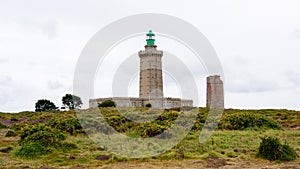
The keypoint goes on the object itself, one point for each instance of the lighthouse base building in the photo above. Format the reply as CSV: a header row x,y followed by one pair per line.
x,y
167,102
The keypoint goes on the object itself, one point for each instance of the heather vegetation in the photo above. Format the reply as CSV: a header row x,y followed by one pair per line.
x,y
57,139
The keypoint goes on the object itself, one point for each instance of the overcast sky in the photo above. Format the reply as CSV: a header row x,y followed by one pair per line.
x,y
257,41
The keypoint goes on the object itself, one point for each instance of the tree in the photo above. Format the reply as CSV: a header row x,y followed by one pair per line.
x,y
107,103
71,101
148,105
44,105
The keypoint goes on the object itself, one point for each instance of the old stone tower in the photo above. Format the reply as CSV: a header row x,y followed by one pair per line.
x,y
151,80
215,93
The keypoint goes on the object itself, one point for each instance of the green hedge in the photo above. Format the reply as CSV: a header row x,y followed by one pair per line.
x,y
241,121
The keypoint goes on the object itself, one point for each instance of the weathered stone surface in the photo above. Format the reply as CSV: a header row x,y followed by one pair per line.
x,y
215,92
151,80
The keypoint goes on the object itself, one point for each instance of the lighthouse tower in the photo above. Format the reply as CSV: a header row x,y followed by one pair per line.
x,y
151,80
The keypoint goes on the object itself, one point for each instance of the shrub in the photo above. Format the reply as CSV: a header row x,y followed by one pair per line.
x,y
167,118
200,119
116,121
2,126
127,125
271,149
107,103
231,154
42,135
32,150
241,121
68,146
151,129
11,133
37,140
19,127
6,149
148,105
68,125
174,109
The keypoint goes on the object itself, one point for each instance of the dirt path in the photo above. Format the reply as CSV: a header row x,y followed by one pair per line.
x,y
196,164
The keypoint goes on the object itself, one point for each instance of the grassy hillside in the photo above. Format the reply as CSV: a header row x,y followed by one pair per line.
x,y
56,139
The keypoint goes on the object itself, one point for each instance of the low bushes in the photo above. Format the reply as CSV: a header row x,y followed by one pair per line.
x,y
107,103
2,126
37,140
41,134
151,129
241,121
138,123
32,150
271,149
11,133
68,125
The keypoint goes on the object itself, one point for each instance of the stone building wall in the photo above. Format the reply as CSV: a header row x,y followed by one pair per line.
x,y
214,92
138,102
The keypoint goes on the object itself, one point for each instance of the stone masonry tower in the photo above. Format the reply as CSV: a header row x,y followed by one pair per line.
x,y
214,93
151,81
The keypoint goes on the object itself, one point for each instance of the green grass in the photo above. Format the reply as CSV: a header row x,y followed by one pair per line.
x,y
223,143
233,144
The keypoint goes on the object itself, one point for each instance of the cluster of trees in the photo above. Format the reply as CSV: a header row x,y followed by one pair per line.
x,y
69,101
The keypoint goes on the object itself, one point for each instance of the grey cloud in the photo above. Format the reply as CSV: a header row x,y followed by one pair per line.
x,y
54,85
250,84
296,33
3,61
3,98
252,87
241,60
47,28
293,77
4,90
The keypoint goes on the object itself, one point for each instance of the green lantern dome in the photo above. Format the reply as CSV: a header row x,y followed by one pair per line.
x,y
150,38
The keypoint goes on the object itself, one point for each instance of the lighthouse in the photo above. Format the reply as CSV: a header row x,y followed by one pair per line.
x,y
151,76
